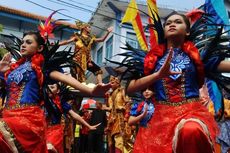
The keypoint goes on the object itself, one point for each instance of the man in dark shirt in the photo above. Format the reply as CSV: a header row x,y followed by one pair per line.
x,y
96,144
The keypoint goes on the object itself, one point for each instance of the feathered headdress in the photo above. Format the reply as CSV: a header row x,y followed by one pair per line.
x,y
80,25
47,28
194,15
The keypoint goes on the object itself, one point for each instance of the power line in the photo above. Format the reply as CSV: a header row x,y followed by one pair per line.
x,y
82,4
64,4
88,10
73,17
90,6
61,13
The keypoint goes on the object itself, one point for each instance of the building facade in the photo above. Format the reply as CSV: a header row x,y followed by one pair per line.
x,y
110,13
16,22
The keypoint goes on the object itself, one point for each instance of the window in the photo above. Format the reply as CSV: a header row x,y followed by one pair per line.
x,y
99,56
109,48
132,40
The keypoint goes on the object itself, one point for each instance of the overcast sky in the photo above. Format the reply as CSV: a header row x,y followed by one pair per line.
x,y
82,9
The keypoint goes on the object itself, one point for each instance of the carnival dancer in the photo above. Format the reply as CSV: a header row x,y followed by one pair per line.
x,y
143,111
180,122
175,70
116,122
83,43
22,127
55,129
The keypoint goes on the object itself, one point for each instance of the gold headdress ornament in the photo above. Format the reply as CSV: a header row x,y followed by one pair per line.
x,y
114,79
80,25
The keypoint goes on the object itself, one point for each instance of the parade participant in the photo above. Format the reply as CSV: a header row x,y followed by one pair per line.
x,y
22,127
83,43
143,111
55,129
116,122
175,71
95,138
84,132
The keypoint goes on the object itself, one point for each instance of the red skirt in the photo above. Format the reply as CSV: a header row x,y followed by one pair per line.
x,y
23,129
55,135
158,135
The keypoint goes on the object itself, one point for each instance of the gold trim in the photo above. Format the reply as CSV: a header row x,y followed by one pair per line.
x,y
179,103
19,106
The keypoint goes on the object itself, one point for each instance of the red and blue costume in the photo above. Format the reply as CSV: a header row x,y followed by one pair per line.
x,y
178,111
22,127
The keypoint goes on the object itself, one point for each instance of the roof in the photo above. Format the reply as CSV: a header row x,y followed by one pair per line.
x,y
31,15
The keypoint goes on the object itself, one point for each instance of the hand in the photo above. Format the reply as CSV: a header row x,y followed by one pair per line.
x,y
100,89
94,127
120,108
165,69
5,62
90,64
110,29
145,111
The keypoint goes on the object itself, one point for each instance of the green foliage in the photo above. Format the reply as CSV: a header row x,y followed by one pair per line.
x,y
1,27
2,52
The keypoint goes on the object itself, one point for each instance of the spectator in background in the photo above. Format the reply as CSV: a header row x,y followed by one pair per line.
x,y
77,138
95,138
84,132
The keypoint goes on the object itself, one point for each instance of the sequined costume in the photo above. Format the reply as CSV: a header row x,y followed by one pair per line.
x,y
117,137
83,56
176,103
23,126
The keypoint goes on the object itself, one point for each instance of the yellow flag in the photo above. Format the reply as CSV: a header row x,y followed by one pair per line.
x,y
132,15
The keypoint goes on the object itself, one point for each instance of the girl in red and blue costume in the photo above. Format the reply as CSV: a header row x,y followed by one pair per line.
x,y
55,130
143,111
180,123
23,126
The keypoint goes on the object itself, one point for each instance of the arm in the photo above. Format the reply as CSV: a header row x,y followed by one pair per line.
x,y
106,108
224,66
110,29
139,84
135,119
125,100
99,89
142,83
82,121
65,42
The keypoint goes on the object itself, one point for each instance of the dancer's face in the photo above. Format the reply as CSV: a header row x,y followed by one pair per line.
x,y
147,93
30,46
53,89
88,29
115,82
175,26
